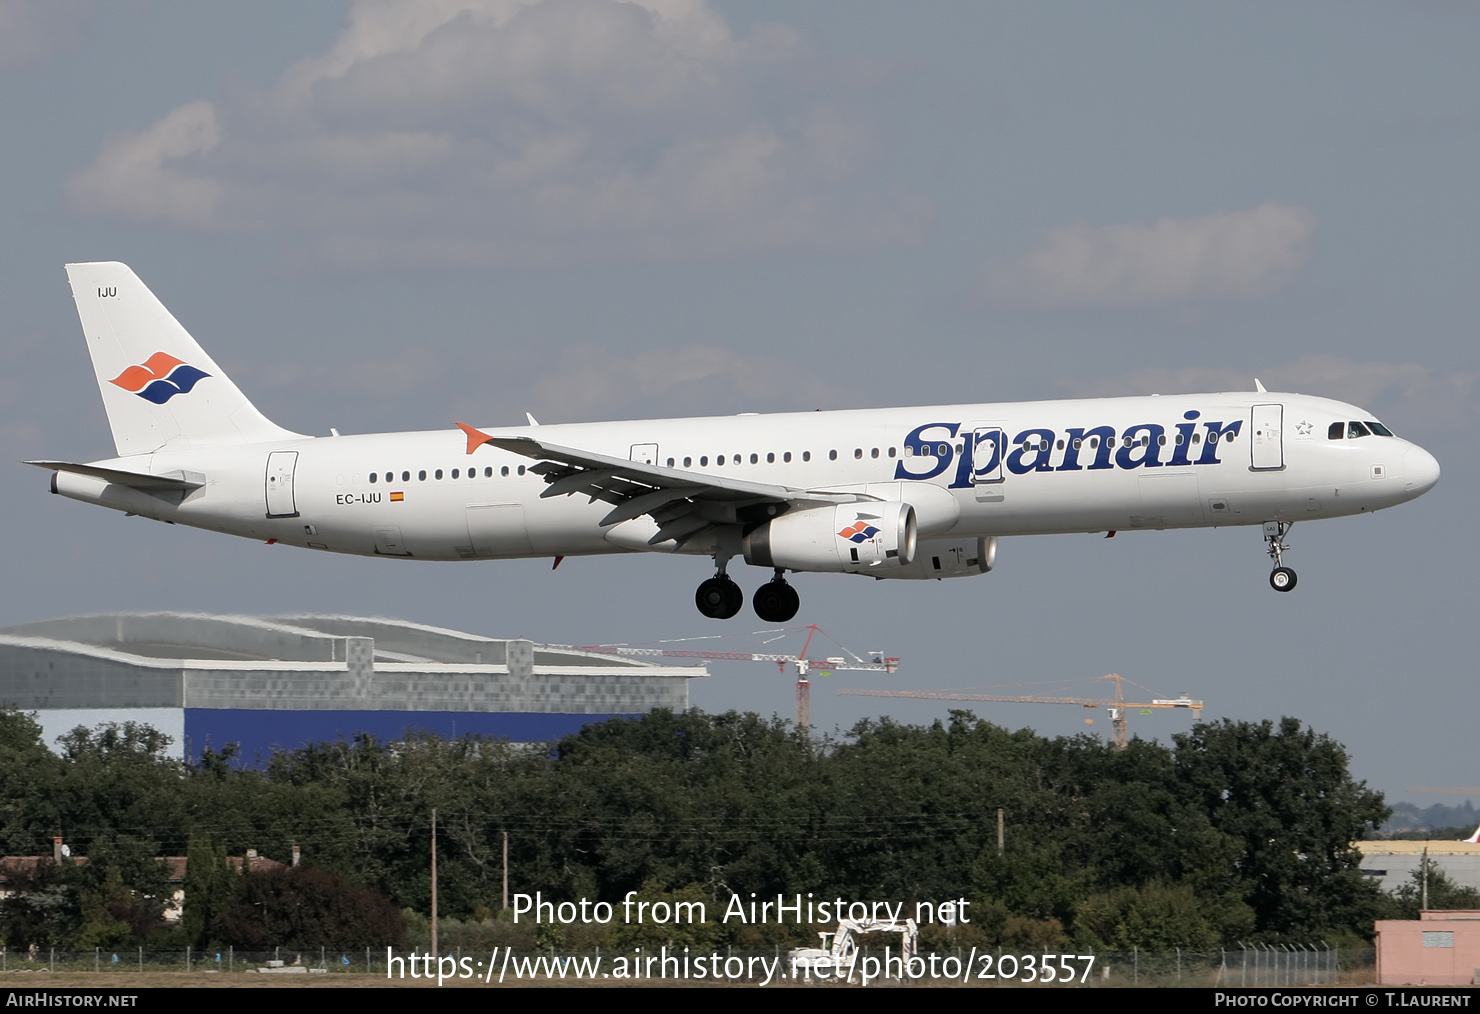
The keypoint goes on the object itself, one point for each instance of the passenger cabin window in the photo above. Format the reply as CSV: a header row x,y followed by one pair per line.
x,y
786,457
374,476
438,473
1336,431
754,458
832,455
422,475
405,476
806,455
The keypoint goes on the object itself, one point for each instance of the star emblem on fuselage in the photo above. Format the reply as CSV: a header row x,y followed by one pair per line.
x,y
1303,428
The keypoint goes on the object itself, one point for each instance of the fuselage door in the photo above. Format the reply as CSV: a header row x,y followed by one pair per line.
x,y
986,454
280,466
1267,442
388,542
498,529
645,454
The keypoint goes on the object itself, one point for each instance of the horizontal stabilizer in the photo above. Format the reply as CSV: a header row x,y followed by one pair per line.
x,y
137,480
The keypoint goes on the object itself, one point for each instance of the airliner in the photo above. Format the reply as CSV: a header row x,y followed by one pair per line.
x,y
896,493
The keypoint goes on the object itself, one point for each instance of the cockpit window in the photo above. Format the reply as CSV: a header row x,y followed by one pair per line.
x,y
1378,428
1355,429
1336,432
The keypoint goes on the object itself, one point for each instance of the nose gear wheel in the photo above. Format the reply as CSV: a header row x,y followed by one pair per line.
x,y
1282,578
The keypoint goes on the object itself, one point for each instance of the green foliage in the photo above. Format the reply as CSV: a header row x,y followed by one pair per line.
x,y
1285,795
682,925
307,907
209,887
1444,894
1158,916
1237,831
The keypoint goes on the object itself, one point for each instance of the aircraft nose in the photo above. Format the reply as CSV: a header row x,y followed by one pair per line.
x,y
1420,470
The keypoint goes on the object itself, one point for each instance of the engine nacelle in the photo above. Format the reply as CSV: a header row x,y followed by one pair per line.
x,y
942,558
856,538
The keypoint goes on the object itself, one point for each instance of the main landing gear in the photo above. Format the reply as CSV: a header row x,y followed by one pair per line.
x,y
720,598
1282,578
776,601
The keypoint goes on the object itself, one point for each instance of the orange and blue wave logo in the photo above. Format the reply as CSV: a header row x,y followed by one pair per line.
x,y
160,378
858,531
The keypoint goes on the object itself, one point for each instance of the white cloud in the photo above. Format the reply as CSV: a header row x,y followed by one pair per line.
x,y
1420,396
589,384
1237,253
497,132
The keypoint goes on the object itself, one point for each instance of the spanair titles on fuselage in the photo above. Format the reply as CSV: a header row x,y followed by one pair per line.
x,y
894,493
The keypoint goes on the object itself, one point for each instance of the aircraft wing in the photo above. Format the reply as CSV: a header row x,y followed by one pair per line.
x,y
683,503
137,480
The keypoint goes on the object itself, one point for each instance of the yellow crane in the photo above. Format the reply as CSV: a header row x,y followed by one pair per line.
x,y
1116,705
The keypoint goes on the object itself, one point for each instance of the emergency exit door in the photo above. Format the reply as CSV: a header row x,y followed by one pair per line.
x,y
280,466
1266,443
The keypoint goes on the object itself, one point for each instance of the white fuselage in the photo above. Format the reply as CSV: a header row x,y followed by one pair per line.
x,y
985,470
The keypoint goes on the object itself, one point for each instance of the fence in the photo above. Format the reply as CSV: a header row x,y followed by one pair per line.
x,y
1254,965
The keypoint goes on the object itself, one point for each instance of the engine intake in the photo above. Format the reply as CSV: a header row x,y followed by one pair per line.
x,y
848,539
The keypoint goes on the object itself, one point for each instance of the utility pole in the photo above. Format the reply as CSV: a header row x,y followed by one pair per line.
x,y
999,831
1423,904
434,884
506,869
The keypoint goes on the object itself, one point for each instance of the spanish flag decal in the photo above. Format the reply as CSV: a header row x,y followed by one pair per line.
x,y
397,497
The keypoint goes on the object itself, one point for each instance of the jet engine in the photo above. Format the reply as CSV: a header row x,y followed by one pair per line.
x,y
942,558
870,537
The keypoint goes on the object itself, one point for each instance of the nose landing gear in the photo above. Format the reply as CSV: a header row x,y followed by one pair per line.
x,y
776,601
1282,578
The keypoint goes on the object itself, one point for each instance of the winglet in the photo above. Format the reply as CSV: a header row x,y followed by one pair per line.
x,y
1259,387
532,420
476,438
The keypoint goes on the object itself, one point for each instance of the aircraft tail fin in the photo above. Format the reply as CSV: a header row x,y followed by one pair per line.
x,y
159,387
1473,839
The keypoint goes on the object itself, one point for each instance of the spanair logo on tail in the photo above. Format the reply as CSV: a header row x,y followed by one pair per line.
x,y
160,378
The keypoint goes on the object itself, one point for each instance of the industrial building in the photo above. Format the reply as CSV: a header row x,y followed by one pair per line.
x,y
1392,863
1436,949
280,682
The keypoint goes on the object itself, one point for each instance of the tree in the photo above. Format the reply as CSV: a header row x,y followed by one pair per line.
x,y
208,888
1444,895
1286,794
307,907
1160,917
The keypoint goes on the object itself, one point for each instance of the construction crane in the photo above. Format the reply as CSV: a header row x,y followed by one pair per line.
x,y
1116,706
876,661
